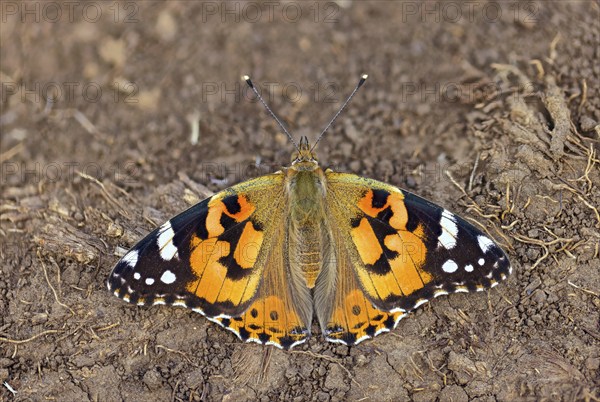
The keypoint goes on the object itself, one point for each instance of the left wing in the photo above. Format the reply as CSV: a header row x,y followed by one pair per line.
x,y
219,258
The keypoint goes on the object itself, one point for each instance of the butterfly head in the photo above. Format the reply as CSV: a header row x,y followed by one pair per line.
x,y
304,159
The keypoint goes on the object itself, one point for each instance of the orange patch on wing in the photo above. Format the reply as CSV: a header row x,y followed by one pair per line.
x,y
216,209
367,283
399,217
246,209
213,218
238,291
212,283
366,205
204,261
366,242
406,267
354,314
383,285
248,246
270,316
227,290
250,288
395,202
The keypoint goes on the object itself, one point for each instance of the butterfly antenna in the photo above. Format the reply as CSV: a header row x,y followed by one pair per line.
x,y
362,80
260,98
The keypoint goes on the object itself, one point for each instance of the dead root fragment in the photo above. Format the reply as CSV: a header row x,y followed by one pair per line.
x,y
546,245
107,195
34,337
50,284
583,289
59,238
561,116
158,347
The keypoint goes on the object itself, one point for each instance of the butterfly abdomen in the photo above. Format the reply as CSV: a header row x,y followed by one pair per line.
x,y
306,223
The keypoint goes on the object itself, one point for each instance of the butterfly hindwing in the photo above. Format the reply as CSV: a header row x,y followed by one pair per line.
x,y
404,251
350,317
273,318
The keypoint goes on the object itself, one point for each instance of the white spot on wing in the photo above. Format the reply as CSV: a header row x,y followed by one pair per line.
x,y
165,242
149,281
484,243
137,276
469,268
131,258
450,266
481,261
449,230
168,277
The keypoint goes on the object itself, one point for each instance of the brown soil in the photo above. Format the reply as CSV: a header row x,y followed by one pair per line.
x,y
502,97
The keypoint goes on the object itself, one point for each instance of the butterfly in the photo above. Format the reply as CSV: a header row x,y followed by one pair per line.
x,y
266,256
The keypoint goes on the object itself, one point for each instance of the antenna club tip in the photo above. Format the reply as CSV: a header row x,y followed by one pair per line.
x,y
363,78
248,80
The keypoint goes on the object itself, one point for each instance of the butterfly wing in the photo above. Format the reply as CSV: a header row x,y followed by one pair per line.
x,y
274,318
396,251
216,259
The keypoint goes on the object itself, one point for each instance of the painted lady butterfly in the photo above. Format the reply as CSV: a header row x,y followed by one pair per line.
x,y
264,257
